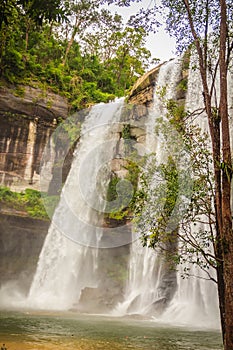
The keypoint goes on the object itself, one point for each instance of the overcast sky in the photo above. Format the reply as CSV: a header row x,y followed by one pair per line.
x,y
161,45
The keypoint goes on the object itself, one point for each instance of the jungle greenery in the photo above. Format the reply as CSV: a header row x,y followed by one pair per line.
x,y
27,202
75,48
32,203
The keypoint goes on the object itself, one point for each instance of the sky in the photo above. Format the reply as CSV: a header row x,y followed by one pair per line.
x,y
161,45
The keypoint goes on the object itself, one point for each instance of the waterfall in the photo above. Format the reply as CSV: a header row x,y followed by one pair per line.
x,y
68,261
69,268
196,299
151,285
152,288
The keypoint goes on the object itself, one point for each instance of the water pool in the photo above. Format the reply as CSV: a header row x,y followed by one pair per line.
x,y
50,331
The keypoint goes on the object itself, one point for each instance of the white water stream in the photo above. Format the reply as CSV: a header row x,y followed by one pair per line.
x,y
196,299
191,301
69,258
148,283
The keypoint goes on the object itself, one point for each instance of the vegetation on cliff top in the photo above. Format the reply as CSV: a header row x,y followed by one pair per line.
x,y
76,48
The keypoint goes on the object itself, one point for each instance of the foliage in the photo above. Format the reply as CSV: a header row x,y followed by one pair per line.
x,y
29,202
121,200
126,132
179,192
77,49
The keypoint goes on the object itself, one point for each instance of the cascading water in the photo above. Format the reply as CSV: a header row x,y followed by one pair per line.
x,y
152,289
196,300
150,284
69,259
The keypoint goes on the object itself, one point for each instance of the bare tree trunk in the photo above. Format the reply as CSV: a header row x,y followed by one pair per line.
x,y
227,232
28,25
50,30
2,48
121,66
27,34
221,295
70,42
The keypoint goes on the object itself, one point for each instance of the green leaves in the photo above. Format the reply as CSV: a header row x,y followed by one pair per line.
x,y
122,201
104,58
175,197
51,10
29,202
7,10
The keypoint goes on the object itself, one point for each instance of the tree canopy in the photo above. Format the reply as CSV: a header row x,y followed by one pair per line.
x,y
76,48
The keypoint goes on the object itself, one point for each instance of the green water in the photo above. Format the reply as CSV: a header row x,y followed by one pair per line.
x,y
37,330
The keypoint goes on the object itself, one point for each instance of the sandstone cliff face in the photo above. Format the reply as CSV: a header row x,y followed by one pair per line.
x,y
143,90
27,122
142,93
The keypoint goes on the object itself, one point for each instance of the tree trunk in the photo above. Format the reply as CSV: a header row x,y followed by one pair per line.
x,y
50,30
222,176
28,25
26,40
228,286
2,48
120,68
70,42
221,297
227,232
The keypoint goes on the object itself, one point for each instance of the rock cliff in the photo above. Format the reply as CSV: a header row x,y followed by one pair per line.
x,y
28,116
27,122
33,102
143,90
